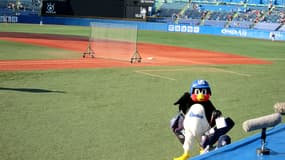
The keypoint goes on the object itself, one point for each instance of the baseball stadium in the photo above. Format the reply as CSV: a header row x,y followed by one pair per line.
x,y
103,80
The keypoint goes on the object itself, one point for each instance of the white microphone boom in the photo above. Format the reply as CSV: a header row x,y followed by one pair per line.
x,y
262,122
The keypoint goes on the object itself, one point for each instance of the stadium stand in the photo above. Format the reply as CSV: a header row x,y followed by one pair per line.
x,y
282,28
214,23
250,14
240,24
266,26
20,7
169,9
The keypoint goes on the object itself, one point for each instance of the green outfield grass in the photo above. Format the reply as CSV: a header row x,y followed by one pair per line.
x,y
20,51
118,113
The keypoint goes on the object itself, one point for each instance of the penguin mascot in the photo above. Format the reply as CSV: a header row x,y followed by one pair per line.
x,y
196,121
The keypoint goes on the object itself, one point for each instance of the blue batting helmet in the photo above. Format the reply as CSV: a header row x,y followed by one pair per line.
x,y
200,84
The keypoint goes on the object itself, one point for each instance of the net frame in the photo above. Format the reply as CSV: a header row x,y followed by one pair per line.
x,y
113,41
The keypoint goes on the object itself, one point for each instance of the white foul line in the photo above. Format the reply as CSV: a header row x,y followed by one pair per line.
x,y
233,72
145,72
204,69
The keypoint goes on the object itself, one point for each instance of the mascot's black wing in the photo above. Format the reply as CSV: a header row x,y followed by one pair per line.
x,y
184,102
209,109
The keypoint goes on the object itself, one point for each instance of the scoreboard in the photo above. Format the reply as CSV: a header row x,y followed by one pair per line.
x,y
95,8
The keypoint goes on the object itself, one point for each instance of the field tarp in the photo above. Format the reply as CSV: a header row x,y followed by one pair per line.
x,y
245,149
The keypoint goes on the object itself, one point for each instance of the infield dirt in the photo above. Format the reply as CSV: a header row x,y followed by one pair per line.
x,y
162,55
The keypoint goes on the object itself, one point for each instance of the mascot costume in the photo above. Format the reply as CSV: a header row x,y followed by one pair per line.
x,y
199,120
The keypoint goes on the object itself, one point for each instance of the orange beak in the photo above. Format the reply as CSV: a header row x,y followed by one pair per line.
x,y
200,97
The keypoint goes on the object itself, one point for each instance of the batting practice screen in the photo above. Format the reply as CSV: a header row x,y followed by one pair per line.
x,y
113,41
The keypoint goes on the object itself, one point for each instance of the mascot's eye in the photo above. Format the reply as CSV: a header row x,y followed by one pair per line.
x,y
204,91
196,91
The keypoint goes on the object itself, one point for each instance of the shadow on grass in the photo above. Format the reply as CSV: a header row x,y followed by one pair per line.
x,y
31,90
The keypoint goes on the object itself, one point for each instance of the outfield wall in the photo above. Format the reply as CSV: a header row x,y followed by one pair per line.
x,y
184,28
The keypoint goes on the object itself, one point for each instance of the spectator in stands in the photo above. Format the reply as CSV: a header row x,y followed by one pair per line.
x,y
270,6
272,36
158,13
204,14
282,17
230,17
143,12
174,17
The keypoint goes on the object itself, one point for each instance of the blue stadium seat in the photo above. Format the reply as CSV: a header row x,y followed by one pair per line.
x,y
266,26
265,1
240,24
279,2
254,1
244,16
214,23
236,1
